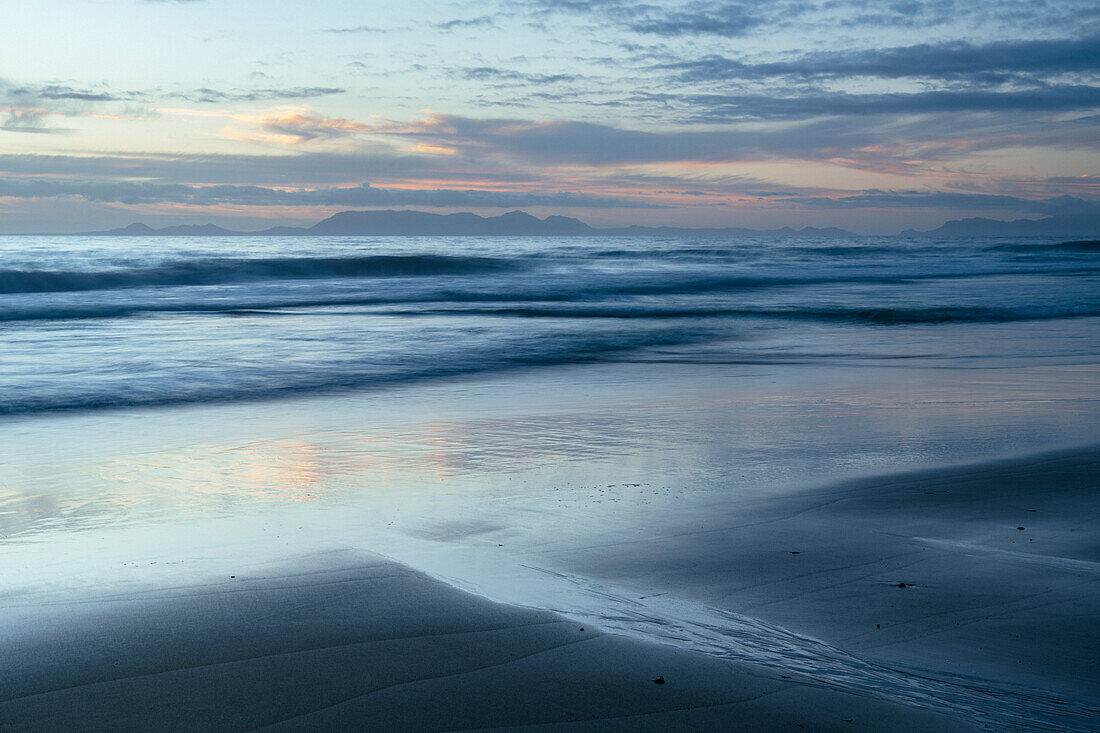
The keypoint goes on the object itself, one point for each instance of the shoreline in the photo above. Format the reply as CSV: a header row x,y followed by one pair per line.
x,y
742,599
933,571
347,640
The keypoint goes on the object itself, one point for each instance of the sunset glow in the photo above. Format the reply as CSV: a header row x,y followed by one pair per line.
x,y
874,118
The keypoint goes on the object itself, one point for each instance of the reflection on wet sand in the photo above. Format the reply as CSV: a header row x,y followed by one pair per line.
x,y
537,442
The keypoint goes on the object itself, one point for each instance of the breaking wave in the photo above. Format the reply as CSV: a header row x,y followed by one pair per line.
x,y
213,271
109,323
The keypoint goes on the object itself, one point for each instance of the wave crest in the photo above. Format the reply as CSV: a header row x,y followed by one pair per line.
x,y
214,271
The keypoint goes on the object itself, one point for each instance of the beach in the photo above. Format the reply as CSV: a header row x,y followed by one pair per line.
x,y
342,639
258,604
393,501
351,641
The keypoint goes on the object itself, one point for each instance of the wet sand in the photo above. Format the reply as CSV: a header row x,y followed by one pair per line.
x,y
350,641
985,576
794,614
426,560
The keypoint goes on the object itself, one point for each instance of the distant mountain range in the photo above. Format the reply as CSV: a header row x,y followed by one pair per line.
x,y
521,224
1078,225
424,224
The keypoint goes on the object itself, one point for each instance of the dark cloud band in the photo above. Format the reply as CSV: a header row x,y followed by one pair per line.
x,y
126,192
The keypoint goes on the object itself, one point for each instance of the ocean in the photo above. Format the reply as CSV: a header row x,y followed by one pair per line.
x,y
97,323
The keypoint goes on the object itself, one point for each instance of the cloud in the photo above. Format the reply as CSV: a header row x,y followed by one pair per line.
x,y
948,60
729,20
550,143
64,92
365,29
307,169
812,19
492,73
1054,206
126,192
1091,181
449,148
54,91
454,158
712,108
574,6
482,21
28,119
102,93
666,100
304,126
215,96
1012,15
29,106
720,19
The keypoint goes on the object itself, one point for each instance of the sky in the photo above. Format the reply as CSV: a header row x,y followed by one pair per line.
x,y
872,115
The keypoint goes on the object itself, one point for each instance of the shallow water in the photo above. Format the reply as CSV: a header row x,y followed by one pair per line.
x,y
557,446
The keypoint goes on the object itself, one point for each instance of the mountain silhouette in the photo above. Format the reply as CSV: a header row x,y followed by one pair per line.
x,y
391,223
1070,225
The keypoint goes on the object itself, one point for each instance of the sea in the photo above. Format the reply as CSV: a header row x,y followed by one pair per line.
x,y
98,323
